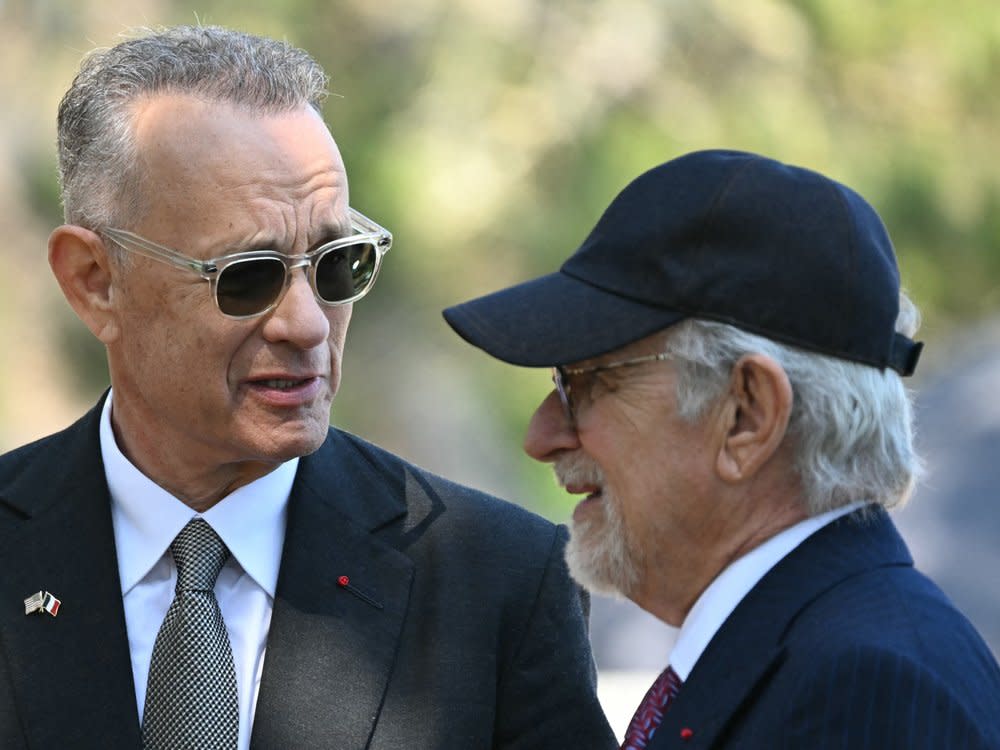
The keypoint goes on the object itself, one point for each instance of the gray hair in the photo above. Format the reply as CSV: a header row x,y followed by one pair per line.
x,y
851,426
98,164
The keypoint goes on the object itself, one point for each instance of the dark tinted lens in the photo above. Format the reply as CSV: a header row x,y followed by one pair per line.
x,y
249,286
345,272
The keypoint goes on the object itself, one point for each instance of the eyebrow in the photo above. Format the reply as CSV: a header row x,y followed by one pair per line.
x,y
329,233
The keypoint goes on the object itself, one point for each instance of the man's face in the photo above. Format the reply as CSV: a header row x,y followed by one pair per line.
x,y
204,390
644,471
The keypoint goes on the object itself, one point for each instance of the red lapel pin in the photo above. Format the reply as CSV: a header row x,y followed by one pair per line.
x,y
345,583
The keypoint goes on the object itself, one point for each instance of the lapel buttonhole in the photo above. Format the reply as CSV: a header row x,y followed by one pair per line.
x,y
345,583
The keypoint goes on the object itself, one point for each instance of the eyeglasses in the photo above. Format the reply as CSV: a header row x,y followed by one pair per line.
x,y
561,377
251,283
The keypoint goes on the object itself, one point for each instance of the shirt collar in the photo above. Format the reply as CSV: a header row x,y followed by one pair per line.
x,y
250,520
723,595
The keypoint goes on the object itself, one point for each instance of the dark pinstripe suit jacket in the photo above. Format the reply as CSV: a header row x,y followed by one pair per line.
x,y
467,632
842,645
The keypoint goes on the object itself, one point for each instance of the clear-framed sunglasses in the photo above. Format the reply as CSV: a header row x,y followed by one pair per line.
x,y
251,283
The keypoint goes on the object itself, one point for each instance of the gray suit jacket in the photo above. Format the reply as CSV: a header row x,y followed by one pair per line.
x,y
460,627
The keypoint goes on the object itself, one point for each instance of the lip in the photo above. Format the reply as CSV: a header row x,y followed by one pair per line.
x,y
582,507
306,390
593,495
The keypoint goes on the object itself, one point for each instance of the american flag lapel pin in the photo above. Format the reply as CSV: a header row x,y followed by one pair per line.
x,y
40,603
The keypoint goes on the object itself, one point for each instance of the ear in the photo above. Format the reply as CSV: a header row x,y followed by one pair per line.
x,y
755,417
80,262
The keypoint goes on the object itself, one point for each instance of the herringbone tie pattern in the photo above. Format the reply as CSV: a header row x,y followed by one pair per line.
x,y
191,699
650,712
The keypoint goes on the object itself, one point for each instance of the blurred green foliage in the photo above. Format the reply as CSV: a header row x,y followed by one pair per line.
x,y
490,136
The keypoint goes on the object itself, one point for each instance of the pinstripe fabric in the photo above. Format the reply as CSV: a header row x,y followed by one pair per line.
x,y
842,645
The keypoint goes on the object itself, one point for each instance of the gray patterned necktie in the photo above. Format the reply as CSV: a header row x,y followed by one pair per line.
x,y
191,701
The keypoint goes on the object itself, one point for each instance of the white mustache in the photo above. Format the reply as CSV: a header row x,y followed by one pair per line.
x,y
577,469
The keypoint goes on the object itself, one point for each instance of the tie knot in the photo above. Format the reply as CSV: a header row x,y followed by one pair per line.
x,y
668,684
199,554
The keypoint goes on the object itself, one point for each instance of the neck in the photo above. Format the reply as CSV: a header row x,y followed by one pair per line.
x,y
196,484
673,579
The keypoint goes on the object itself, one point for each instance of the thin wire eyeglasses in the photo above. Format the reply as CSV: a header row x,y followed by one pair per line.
x,y
561,376
251,283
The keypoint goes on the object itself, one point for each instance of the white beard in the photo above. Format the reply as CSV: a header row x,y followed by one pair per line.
x,y
599,554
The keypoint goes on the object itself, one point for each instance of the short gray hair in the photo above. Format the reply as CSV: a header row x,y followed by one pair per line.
x,y
851,424
101,183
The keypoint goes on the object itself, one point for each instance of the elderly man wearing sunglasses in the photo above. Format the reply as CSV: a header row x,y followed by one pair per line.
x,y
203,562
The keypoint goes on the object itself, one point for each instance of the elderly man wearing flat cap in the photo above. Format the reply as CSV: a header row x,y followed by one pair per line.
x,y
727,348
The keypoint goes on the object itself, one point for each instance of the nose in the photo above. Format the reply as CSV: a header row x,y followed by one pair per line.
x,y
550,432
299,318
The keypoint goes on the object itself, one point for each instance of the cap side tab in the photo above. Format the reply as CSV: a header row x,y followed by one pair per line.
x,y
904,354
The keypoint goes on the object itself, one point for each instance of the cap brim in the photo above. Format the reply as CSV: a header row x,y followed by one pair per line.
x,y
554,320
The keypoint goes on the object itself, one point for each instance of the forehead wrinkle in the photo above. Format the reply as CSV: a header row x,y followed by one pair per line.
x,y
277,179
293,226
313,208
264,224
327,221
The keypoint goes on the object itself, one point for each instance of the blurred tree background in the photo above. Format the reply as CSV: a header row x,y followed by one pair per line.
x,y
490,135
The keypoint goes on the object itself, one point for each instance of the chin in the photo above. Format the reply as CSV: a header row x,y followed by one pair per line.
x,y
284,444
599,555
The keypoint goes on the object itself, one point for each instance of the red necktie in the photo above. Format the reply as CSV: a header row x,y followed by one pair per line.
x,y
650,712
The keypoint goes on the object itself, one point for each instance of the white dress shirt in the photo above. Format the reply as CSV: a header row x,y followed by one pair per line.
x,y
722,596
251,521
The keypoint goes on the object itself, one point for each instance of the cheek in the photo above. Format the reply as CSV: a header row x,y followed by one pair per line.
x,y
339,319
625,459
185,350
644,474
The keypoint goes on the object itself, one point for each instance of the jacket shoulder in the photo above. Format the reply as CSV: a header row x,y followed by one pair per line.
x,y
33,461
889,640
457,505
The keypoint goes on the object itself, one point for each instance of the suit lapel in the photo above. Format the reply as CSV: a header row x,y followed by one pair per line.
x,y
71,674
331,647
748,647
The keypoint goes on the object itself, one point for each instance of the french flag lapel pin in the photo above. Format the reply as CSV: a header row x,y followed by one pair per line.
x,y
42,603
